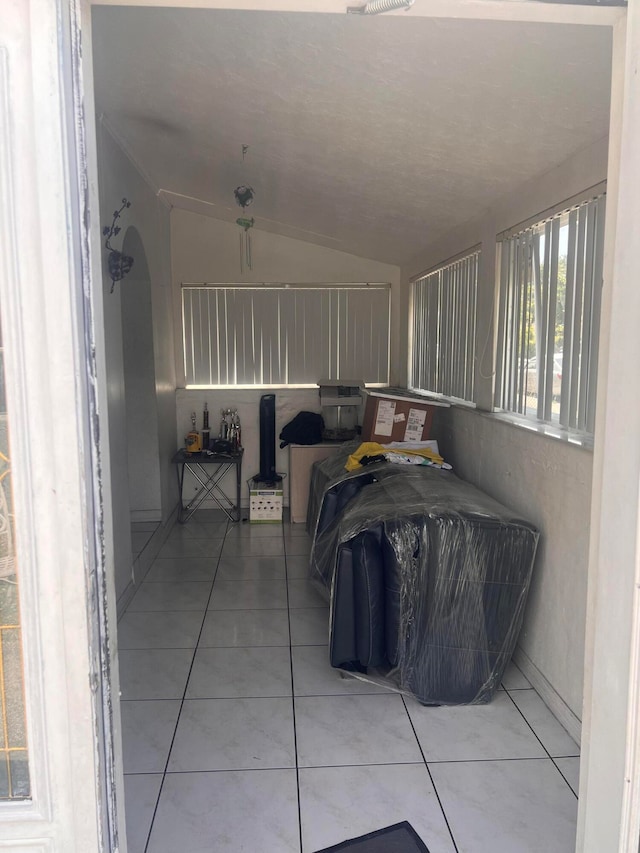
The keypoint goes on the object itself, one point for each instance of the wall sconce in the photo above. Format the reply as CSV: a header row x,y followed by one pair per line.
x,y
119,265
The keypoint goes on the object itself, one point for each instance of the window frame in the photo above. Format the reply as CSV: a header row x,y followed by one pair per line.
x,y
468,346
318,287
570,411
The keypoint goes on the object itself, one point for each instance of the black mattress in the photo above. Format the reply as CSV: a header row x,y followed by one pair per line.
x,y
427,578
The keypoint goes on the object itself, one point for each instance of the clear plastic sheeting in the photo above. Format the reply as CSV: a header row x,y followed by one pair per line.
x,y
427,578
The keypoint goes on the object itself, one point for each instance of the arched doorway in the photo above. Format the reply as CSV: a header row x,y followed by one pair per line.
x,y
140,394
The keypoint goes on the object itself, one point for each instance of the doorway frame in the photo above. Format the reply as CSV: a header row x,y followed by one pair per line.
x,y
606,761
82,815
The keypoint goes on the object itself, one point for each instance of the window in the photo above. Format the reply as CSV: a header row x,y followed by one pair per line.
x,y
444,329
549,317
270,335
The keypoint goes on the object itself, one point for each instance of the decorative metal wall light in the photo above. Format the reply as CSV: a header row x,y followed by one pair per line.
x,y
119,265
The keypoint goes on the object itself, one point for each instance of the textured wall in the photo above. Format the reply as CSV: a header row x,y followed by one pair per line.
x,y
549,483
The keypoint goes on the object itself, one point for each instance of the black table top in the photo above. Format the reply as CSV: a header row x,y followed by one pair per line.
x,y
183,456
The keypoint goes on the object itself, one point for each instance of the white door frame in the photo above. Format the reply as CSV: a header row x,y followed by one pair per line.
x,y
48,317
609,813
65,541
609,810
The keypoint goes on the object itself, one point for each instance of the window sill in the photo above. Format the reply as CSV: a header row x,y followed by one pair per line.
x,y
442,399
275,387
557,433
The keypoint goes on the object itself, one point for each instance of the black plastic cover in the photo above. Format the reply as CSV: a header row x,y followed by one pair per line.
x,y
427,577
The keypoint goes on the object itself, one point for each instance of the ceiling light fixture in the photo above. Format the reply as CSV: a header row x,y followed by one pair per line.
x,y
376,7
244,196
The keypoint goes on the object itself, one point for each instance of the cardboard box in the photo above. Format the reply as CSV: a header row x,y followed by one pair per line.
x,y
265,504
397,415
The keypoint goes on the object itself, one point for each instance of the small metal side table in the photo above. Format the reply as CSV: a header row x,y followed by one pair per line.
x,y
208,469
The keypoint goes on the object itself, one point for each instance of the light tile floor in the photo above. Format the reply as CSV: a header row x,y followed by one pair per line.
x,y
238,735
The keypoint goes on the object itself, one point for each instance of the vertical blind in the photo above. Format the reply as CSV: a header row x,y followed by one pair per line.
x,y
444,329
549,317
285,334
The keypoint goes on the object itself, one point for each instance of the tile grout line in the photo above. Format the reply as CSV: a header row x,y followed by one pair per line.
x,y
575,793
186,686
293,696
411,763
541,743
426,764
339,766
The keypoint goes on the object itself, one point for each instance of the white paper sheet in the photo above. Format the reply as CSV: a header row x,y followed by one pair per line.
x,y
415,425
384,418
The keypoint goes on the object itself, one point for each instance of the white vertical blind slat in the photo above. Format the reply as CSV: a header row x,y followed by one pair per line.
x,y
595,314
567,347
578,297
503,252
550,319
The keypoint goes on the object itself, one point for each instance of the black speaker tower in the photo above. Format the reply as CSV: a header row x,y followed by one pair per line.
x,y
267,441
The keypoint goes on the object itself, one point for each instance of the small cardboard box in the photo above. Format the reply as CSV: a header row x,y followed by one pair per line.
x,y
396,415
265,504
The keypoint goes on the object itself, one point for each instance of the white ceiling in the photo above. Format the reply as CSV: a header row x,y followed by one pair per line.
x,y
373,135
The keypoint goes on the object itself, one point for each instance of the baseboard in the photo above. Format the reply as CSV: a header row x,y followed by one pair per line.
x,y
153,515
143,562
554,702
125,599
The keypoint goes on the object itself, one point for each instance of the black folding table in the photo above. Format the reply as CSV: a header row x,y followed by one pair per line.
x,y
208,469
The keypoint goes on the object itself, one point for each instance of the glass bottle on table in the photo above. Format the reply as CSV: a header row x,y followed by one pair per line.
x,y
206,433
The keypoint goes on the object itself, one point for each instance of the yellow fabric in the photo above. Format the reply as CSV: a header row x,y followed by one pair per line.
x,y
372,448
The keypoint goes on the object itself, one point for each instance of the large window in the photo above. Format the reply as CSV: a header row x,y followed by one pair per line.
x,y
549,317
270,335
444,329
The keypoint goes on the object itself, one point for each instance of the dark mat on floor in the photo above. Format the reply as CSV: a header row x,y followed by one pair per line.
x,y
399,838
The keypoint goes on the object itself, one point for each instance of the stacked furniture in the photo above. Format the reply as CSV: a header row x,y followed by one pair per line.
x,y
427,577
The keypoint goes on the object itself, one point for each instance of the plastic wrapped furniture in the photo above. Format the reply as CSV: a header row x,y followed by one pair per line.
x,y
427,578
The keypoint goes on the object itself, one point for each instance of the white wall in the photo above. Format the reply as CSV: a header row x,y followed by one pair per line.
x,y
207,250
549,483
548,480
119,178
140,385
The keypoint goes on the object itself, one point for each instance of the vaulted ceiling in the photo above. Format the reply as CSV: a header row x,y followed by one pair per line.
x,y
372,135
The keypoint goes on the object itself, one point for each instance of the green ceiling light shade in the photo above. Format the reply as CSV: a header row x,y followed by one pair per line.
x,y
244,196
119,265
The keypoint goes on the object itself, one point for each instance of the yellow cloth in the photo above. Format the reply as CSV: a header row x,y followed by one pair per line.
x,y
372,448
